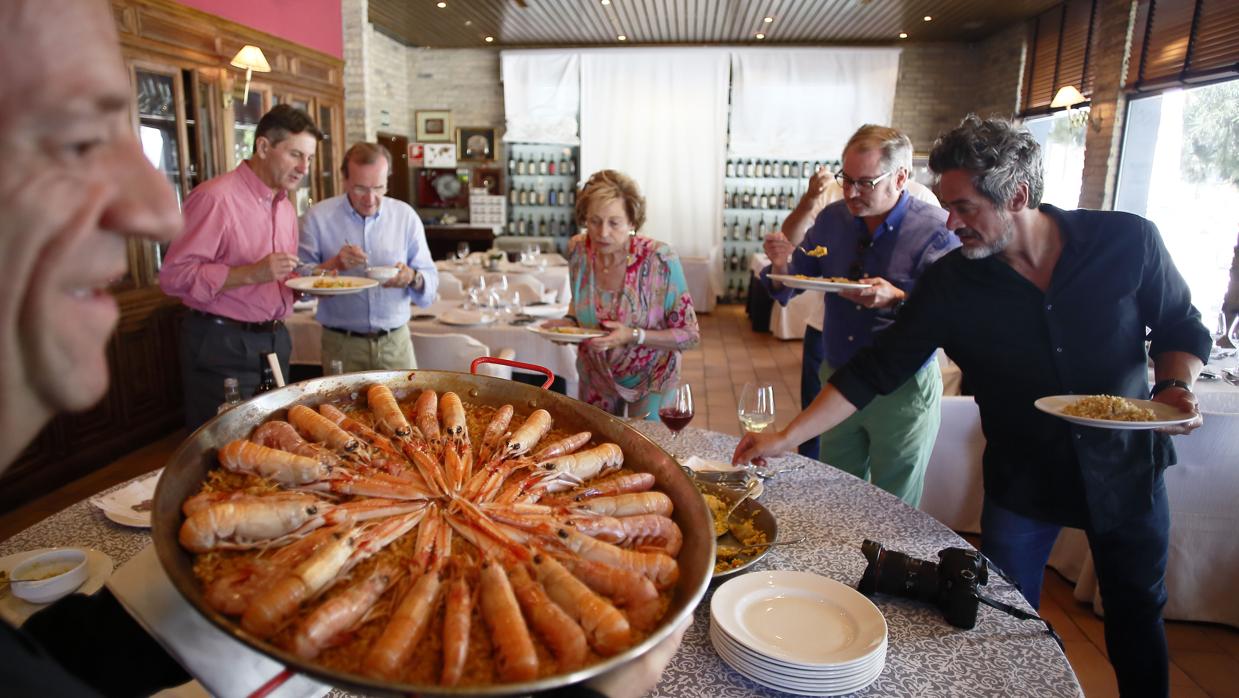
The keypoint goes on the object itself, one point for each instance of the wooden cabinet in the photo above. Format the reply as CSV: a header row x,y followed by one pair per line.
x,y
190,115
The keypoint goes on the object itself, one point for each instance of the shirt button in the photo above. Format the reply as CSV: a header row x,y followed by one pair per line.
x,y
1049,306
850,338
1059,350
860,307
1079,437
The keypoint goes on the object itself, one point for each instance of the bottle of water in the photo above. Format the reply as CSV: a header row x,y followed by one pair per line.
x,y
232,395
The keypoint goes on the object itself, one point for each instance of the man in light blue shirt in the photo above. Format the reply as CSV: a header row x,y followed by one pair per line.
x,y
347,234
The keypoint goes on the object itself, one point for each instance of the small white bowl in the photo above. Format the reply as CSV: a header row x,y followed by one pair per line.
x,y
59,573
382,273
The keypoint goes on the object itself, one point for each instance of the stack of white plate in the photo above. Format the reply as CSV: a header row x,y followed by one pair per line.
x,y
798,632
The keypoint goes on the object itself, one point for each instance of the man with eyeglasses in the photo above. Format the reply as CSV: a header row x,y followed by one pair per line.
x,y
229,268
882,236
359,229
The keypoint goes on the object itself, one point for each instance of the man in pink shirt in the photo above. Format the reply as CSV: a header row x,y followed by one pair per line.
x,y
240,243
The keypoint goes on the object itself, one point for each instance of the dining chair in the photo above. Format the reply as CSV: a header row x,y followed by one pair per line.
x,y
455,352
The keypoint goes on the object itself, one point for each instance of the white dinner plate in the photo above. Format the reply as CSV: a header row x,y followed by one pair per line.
x,y
466,318
305,284
16,611
816,284
1167,416
119,506
798,617
566,337
721,639
549,310
832,685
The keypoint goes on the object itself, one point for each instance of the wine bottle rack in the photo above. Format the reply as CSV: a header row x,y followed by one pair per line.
x,y
542,188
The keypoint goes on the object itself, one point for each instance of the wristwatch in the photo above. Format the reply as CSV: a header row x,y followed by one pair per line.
x,y
1168,383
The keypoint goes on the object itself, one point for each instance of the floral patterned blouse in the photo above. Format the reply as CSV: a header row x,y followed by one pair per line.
x,y
654,296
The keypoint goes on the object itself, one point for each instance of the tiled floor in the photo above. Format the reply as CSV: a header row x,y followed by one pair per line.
x,y
1205,658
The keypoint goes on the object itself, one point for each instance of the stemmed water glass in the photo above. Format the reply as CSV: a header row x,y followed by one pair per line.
x,y
1233,335
1217,331
756,410
462,253
676,412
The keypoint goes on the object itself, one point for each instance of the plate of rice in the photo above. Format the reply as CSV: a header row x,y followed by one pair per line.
x,y
1112,412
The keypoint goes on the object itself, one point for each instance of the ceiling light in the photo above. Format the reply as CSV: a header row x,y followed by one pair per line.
x,y
759,35
927,18
606,2
903,35
621,37
468,23
490,39
441,5
768,20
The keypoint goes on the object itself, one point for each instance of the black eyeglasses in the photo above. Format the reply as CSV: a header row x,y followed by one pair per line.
x,y
862,184
857,270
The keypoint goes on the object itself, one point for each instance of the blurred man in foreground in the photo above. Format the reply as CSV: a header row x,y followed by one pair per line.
x,y
1040,302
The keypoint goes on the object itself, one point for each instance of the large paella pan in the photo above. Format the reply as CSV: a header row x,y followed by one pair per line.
x,y
195,470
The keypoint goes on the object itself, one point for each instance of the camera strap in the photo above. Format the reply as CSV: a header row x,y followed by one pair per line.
x,y
1022,615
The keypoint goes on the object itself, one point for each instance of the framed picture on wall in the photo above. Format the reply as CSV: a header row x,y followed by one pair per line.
x,y
417,152
433,125
477,144
440,154
488,178
442,188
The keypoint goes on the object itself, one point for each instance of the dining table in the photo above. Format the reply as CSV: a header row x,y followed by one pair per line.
x,y
552,271
834,512
306,334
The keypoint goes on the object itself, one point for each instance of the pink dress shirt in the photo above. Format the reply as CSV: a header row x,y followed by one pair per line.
x,y
230,221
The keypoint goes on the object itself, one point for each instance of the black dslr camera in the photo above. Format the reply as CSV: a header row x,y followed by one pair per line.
x,y
951,584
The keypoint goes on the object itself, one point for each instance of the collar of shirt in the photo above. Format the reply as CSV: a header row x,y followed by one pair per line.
x,y
256,185
356,215
893,219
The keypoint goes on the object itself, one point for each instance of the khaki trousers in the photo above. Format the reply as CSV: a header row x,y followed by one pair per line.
x,y
392,351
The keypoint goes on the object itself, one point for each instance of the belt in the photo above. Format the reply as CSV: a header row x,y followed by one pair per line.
x,y
363,335
268,326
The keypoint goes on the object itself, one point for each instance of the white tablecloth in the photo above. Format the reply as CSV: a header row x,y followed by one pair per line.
x,y
1203,488
554,277
307,335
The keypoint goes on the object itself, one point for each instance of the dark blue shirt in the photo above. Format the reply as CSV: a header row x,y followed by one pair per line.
x,y
912,237
1085,335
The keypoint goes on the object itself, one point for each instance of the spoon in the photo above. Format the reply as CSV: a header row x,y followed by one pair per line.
x,y
748,492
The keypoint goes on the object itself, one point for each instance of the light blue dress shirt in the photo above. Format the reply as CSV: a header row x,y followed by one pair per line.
x,y
394,234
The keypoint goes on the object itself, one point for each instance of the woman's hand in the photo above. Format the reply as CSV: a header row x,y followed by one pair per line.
x,y
756,447
619,336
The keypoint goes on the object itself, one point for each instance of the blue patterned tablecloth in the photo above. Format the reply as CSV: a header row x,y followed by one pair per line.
x,y
1001,656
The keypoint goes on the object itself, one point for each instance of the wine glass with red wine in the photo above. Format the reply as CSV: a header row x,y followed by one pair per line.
x,y
677,411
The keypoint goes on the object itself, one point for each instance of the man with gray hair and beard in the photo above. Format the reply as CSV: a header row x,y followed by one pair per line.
x,y
1041,301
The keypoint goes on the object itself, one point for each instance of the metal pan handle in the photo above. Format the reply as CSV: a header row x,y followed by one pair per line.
x,y
550,377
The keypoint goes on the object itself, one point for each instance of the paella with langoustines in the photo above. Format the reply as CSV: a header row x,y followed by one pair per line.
x,y
433,541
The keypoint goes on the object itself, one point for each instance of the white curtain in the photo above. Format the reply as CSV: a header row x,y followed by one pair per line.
x,y
804,104
660,116
541,95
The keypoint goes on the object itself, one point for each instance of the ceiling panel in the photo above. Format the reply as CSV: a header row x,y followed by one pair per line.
x,y
541,23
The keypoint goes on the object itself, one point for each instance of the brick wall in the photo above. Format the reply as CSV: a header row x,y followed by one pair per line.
x,y
1108,103
464,81
356,42
388,87
940,83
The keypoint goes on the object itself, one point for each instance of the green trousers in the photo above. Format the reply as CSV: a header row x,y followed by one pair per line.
x,y
889,442
391,352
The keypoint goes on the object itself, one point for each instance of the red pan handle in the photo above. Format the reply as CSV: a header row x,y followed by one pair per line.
x,y
550,377
275,682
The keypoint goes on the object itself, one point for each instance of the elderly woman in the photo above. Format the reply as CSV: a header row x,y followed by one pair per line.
x,y
634,287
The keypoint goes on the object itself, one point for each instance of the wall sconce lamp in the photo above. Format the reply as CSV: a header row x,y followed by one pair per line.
x,y
1067,97
250,57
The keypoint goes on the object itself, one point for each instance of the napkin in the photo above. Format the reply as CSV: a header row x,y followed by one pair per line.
x,y
118,505
223,665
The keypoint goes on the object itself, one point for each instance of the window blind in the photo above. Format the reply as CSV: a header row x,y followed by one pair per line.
x,y
1179,42
1061,40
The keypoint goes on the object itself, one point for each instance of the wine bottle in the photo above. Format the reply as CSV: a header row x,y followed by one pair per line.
x,y
761,229
268,377
512,227
513,196
764,201
542,226
748,231
782,200
787,169
520,165
746,200
541,197
806,171
735,260
550,197
768,169
511,164
524,197
731,169
748,168
520,227
550,166
541,165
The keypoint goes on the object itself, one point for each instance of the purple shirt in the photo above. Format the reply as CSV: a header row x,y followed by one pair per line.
x,y
231,221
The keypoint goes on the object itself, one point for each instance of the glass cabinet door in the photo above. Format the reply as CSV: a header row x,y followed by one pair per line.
x,y
327,165
160,110
304,197
245,116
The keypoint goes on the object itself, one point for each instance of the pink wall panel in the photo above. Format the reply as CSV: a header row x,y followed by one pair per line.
x,y
312,23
